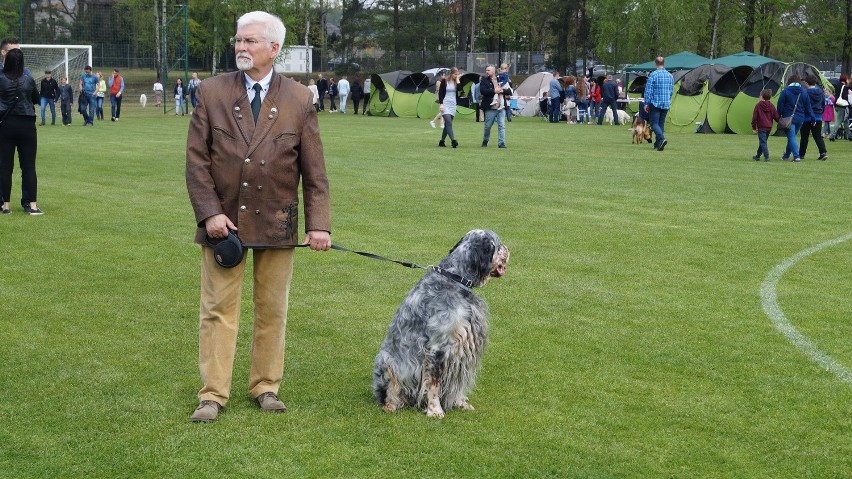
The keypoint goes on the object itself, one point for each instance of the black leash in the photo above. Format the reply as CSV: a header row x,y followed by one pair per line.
x,y
468,283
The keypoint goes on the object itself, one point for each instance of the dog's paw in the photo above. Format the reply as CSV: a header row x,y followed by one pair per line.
x,y
437,413
390,407
466,406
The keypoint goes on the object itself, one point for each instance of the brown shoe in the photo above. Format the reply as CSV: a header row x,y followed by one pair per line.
x,y
207,411
269,402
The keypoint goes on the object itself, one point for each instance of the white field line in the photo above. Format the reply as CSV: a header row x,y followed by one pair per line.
x,y
769,299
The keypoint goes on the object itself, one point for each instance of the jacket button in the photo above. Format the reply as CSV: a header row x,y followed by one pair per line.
x,y
257,212
240,116
245,185
248,160
259,187
242,208
262,162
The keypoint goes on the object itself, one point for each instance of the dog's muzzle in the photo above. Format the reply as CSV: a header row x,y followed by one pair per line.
x,y
502,260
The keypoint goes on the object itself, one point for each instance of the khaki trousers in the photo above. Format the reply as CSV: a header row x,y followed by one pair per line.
x,y
221,289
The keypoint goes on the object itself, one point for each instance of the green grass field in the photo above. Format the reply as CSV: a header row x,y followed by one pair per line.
x,y
628,338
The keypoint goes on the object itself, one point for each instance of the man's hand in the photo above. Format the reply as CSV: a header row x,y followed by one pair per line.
x,y
218,226
647,109
318,240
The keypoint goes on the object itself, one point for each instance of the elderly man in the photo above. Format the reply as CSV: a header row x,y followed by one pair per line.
x,y
658,100
252,140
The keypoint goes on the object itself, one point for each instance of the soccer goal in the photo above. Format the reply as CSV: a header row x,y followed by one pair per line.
x,y
62,60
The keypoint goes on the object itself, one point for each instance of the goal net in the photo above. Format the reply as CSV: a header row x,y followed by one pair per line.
x,y
61,60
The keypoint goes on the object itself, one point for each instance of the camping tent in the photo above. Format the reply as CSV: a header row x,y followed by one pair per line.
x,y
689,101
382,89
705,94
530,90
769,75
723,86
408,92
772,76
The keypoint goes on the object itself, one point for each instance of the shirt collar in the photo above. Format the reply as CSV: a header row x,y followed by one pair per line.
x,y
264,82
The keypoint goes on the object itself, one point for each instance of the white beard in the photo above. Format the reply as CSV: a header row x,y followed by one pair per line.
x,y
245,62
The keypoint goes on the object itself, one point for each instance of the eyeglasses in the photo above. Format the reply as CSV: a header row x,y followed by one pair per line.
x,y
247,42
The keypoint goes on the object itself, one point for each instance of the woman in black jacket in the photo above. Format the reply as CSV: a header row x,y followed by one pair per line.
x,y
18,94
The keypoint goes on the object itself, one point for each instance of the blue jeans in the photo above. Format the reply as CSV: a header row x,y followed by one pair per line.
x,y
762,145
554,111
657,118
44,103
90,97
792,142
500,116
613,105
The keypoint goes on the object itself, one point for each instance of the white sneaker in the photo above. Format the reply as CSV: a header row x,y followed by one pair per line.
x,y
432,123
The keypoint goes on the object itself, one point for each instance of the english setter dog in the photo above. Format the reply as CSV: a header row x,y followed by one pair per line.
x,y
434,345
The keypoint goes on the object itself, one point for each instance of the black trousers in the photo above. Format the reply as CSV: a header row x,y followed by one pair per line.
x,y
355,104
18,133
814,130
66,112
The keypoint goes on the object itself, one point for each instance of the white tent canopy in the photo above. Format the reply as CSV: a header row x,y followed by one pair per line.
x,y
530,90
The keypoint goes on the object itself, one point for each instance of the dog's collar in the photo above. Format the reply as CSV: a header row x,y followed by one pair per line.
x,y
467,283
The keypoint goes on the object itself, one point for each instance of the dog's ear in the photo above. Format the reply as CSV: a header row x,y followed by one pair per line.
x,y
483,248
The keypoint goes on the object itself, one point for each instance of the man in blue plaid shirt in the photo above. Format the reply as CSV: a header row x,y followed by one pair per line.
x,y
658,99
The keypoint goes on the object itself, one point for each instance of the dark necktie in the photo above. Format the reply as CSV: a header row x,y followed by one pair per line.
x,y
255,103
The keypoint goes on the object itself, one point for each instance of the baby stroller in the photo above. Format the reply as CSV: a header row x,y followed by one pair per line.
x,y
844,130
848,124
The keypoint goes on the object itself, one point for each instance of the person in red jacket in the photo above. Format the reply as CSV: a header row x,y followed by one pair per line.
x,y
594,98
761,123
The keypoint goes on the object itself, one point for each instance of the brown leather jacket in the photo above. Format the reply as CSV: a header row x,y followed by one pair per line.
x,y
251,173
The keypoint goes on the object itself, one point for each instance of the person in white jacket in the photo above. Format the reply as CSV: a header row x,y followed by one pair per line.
x,y
312,86
343,92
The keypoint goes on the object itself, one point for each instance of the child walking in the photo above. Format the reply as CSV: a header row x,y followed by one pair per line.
x,y
828,113
761,123
66,96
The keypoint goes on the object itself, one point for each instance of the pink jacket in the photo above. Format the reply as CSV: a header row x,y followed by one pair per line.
x,y
828,113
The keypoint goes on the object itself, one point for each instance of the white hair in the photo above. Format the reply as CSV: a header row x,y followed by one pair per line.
x,y
274,30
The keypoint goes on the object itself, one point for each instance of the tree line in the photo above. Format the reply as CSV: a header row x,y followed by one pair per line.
x,y
572,31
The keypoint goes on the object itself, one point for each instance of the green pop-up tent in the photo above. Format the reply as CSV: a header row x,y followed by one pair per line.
x,y
382,90
408,93
689,101
772,76
724,85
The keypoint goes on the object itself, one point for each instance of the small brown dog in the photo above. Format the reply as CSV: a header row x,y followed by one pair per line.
x,y
641,131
